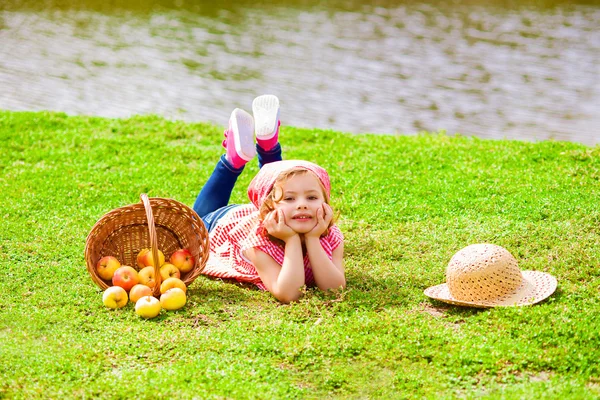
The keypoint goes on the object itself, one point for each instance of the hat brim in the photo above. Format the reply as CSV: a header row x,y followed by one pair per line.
x,y
536,286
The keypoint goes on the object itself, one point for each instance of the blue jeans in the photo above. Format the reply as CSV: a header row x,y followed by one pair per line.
x,y
212,201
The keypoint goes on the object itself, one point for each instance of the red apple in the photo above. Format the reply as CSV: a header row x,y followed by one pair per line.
x,y
173,299
147,276
145,259
147,307
106,267
170,283
139,291
168,270
126,277
114,297
183,260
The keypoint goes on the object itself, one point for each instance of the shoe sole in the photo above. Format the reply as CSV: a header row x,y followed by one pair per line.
x,y
266,114
242,125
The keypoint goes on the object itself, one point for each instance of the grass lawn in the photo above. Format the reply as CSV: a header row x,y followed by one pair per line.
x,y
406,203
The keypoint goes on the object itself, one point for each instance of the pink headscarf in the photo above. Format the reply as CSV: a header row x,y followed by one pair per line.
x,y
263,182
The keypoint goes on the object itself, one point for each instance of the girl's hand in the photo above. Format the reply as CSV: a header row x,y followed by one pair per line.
x,y
275,224
324,216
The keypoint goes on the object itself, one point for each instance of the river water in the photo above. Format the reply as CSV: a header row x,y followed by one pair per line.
x,y
526,70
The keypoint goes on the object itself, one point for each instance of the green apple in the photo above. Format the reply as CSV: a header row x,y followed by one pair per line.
x,y
168,270
173,299
147,276
170,283
147,307
115,297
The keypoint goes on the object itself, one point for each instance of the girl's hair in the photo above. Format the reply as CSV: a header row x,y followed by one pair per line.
x,y
276,195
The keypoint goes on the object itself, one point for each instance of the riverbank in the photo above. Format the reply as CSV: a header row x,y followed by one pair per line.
x,y
406,203
494,69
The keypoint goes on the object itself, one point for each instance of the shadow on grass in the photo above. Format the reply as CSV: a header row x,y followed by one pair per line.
x,y
440,309
225,291
216,301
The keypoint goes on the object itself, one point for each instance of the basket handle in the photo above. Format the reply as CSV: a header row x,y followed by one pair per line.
x,y
153,241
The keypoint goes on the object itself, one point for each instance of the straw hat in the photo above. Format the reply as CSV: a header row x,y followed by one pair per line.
x,y
486,275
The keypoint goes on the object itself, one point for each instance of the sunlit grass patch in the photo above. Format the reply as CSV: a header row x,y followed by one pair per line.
x,y
406,203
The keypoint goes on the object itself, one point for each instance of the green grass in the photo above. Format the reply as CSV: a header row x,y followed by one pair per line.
x,y
407,204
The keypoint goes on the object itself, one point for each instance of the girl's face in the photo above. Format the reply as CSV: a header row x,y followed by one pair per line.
x,y
301,198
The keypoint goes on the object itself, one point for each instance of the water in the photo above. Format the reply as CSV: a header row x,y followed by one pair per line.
x,y
495,69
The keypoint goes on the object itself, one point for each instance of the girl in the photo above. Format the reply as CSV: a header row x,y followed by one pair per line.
x,y
285,238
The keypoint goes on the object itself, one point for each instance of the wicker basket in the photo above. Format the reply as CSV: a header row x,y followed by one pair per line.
x,y
156,223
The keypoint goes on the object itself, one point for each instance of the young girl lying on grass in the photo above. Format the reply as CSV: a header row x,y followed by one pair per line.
x,y
286,237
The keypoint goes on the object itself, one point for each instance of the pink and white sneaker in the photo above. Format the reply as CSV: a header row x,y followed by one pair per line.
x,y
266,120
239,138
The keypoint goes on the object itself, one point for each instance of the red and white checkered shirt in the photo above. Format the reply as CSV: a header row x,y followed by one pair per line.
x,y
240,229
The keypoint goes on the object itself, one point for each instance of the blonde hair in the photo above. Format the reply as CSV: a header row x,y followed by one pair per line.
x,y
275,195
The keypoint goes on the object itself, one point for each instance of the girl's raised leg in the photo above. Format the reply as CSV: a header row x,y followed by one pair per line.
x,y
266,128
216,192
239,145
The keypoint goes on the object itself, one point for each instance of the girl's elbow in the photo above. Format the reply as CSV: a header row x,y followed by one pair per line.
x,y
341,284
287,297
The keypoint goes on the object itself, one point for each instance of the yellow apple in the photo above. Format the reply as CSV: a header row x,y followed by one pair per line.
x,y
114,297
173,299
126,277
169,271
145,259
106,267
139,291
183,260
147,276
170,283
147,307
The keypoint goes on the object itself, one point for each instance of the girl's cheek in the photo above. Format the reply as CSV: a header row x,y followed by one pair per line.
x,y
284,214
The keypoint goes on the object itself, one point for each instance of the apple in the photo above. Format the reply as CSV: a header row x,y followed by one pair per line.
x,y
169,271
107,266
139,291
170,283
145,259
173,299
183,260
126,277
148,307
147,276
114,297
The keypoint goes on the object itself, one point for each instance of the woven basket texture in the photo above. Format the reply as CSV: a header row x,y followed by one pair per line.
x,y
487,275
483,272
156,223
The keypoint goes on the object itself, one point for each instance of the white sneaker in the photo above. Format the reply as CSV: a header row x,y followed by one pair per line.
x,y
266,119
239,138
